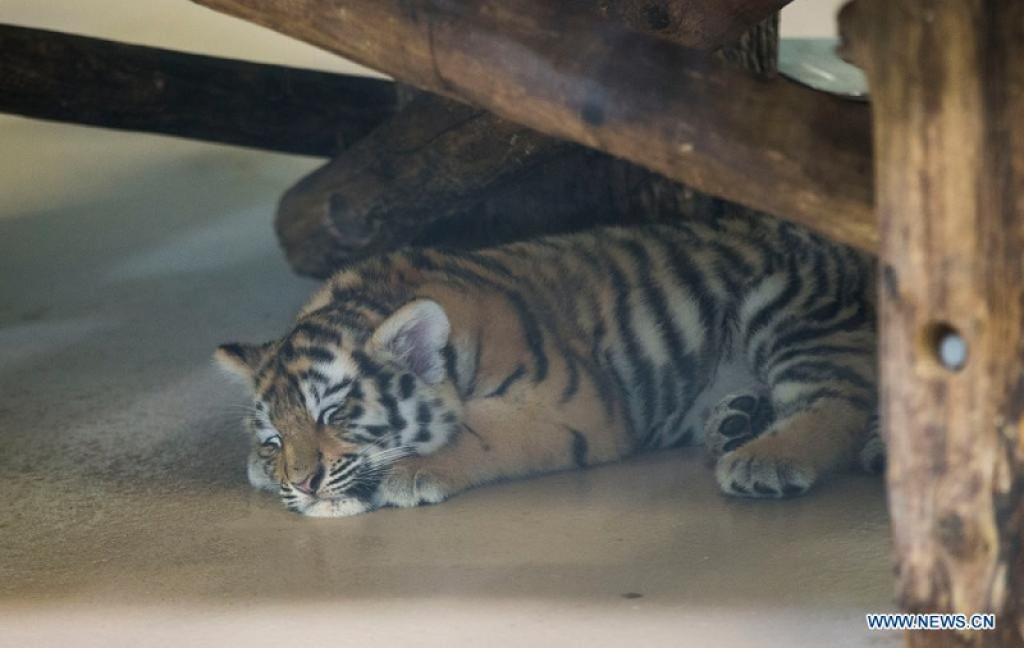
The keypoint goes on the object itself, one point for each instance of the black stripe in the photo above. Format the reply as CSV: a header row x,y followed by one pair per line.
x,y
361,299
343,472
353,321
478,349
365,364
531,329
423,413
286,353
317,332
356,393
714,317
365,486
733,263
296,389
314,375
826,312
811,371
488,262
817,351
337,387
642,371
395,419
366,435
534,337
326,414
318,354
771,309
405,386
509,380
802,334
820,273
685,365
685,438
451,364
384,379
572,385
579,448
806,401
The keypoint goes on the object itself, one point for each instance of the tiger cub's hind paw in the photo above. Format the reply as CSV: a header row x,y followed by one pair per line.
x,y
735,420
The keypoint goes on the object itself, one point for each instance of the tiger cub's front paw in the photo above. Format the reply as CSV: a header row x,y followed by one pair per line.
x,y
759,469
406,485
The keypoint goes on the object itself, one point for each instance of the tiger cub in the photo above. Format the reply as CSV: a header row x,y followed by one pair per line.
x,y
415,375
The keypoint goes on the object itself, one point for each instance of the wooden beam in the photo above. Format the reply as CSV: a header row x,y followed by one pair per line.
x,y
441,173
697,24
55,76
770,145
946,80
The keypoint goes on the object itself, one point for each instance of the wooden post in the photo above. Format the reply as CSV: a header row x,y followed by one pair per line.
x,y
769,145
947,86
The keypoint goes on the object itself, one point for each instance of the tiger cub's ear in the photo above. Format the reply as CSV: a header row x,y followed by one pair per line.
x,y
242,359
415,335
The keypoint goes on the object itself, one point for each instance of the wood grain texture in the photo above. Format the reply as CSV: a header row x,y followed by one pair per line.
x,y
697,24
769,145
441,173
434,157
947,81
55,76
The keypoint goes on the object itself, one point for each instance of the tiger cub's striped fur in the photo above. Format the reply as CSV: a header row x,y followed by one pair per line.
x,y
415,375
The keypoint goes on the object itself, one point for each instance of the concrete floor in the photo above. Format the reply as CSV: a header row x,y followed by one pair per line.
x,y
126,518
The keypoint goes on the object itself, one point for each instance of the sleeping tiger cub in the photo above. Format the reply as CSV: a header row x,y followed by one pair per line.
x,y
418,374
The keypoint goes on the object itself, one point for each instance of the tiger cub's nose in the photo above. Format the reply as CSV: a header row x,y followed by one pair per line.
x,y
312,483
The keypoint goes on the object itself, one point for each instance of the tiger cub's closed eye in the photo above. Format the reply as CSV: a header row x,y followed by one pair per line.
x,y
270,447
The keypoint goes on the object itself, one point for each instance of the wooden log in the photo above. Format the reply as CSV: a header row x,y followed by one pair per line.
x,y
55,76
432,158
697,24
559,191
946,80
770,145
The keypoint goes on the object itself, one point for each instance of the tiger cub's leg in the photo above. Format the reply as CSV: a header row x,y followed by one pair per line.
x,y
824,402
524,433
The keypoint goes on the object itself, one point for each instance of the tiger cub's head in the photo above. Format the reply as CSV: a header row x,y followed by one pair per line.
x,y
338,400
